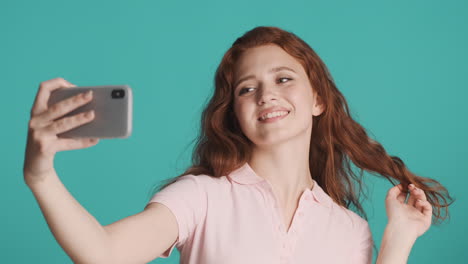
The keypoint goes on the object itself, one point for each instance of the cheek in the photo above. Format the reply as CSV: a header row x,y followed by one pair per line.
x,y
302,101
240,110
246,120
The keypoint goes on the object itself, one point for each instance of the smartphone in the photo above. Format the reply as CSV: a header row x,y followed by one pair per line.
x,y
112,105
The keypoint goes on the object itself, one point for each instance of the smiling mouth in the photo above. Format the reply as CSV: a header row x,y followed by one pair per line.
x,y
273,119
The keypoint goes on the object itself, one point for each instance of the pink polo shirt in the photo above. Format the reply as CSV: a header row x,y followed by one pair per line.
x,y
235,219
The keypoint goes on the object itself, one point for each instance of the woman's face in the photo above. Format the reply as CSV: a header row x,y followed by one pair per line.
x,y
265,77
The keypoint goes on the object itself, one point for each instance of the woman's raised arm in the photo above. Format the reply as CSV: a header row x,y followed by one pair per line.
x,y
135,239
406,222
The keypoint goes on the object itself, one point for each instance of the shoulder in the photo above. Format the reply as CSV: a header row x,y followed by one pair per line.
x,y
202,183
201,179
205,180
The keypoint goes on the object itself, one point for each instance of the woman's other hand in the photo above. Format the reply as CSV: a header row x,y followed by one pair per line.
x,y
413,217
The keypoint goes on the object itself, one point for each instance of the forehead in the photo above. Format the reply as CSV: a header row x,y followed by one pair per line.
x,y
264,57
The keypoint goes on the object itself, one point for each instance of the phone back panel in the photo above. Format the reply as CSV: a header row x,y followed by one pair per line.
x,y
112,115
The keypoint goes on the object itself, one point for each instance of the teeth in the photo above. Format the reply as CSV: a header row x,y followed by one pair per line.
x,y
273,114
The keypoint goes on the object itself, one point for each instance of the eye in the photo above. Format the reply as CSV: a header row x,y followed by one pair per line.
x,y
243,89
283,79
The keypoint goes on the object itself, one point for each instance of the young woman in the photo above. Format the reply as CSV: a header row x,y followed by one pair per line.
x,y
270,181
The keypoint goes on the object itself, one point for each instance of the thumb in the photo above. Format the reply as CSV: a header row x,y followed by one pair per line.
x,y
396,193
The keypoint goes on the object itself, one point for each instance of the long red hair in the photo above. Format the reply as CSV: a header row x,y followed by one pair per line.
x,y
336,140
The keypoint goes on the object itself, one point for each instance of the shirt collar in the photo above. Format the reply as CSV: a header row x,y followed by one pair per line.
x,y
246,175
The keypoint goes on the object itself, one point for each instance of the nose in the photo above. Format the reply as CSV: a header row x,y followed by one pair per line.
x,y
265,95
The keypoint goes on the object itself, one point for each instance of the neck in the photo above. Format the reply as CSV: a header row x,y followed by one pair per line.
x,y
285,166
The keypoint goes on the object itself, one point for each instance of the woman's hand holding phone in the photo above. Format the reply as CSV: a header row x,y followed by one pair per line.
x,y
44,125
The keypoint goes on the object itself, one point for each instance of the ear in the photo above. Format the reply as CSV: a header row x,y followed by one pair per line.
x,y
318,105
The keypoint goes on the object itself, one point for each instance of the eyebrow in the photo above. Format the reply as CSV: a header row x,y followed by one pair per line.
x,y
275,69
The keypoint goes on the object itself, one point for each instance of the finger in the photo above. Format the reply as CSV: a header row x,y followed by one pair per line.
x,y
76,143
412,195
63,107
70,122
394,192
426,208
420,194
401,197
43,94
419,205
415,194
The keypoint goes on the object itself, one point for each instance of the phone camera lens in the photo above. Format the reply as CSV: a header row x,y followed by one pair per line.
x,y
118,93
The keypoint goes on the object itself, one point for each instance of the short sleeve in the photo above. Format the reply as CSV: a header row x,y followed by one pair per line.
x,y
184,199
363,251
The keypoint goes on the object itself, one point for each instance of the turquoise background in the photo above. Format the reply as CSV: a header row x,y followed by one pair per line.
x,y
401,65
